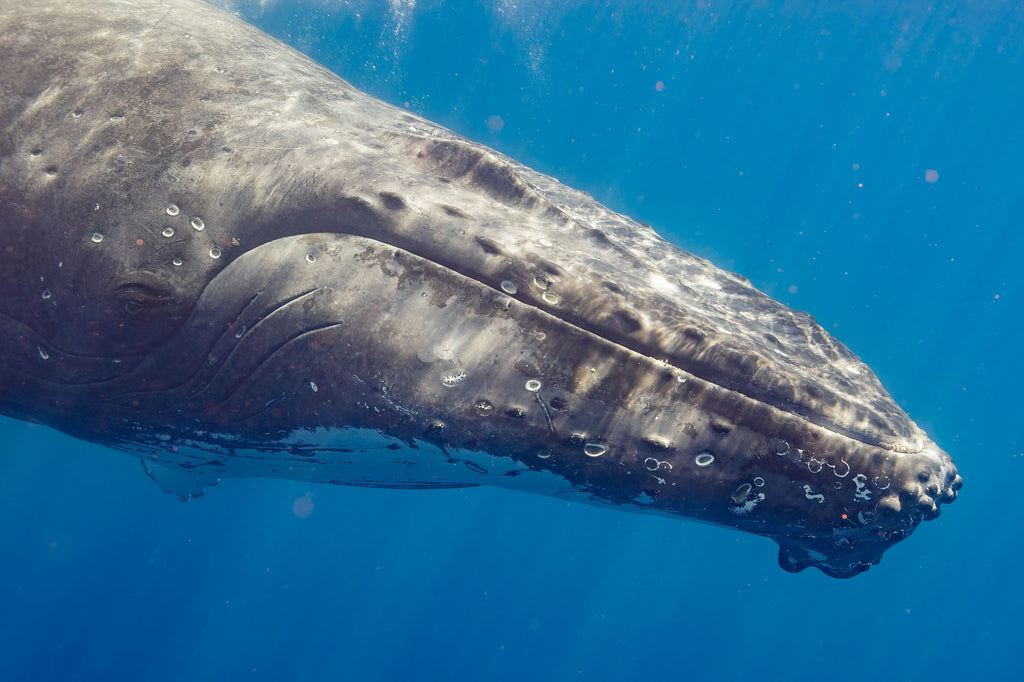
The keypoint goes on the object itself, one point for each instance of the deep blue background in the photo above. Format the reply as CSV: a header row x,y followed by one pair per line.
x,y
787,144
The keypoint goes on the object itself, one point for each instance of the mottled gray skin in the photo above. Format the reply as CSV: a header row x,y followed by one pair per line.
x,y
218,255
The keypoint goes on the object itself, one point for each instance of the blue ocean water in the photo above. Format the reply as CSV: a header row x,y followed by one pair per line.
x,y
857,160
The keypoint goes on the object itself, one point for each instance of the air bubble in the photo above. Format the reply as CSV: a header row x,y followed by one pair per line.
x,y
814,465
541,284
543,454
483,408
172,210
509,287
76,114
310,258
240,333
704,459
550,298
197,224
168,232
42,353
594,449
46,294
533,385
176,262
759,482
36,153
97,237
544,242
215,253
313,386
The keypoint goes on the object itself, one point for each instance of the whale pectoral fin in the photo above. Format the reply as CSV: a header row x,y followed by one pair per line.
x,y
185,484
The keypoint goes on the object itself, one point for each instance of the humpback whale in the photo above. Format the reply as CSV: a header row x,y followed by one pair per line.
x,y
222,258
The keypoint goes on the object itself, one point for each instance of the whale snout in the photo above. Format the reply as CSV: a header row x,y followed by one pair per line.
x,y
930,480
920,483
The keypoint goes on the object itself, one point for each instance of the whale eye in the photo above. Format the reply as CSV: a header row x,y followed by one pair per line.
x,y
139,301
136,314
132,307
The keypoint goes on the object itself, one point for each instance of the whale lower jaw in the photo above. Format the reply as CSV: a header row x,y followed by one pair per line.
x,y
368,458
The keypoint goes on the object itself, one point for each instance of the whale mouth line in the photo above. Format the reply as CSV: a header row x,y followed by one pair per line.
x,y
647,351
269,316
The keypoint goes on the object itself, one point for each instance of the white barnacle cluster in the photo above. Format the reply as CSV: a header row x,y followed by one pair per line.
x,y
455,378
811,495
655,464
172,210
862,493
550,298
744,500
544,285
748,505
841,470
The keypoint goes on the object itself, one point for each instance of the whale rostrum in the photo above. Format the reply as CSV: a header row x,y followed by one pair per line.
x,y
221,257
